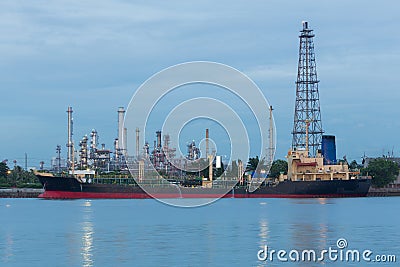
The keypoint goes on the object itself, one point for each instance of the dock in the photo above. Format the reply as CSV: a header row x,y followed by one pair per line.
x,y
20,192
384,192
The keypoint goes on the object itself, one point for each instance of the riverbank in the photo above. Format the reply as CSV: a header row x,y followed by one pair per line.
x,y
20,192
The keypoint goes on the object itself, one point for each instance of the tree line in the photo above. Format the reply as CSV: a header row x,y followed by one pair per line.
x,y
17,177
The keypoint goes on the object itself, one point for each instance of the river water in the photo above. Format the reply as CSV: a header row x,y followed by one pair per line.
x,y
229,232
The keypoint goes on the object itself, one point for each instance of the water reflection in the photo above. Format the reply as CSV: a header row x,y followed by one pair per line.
x,y
263,232
87,236
322,201
9,247
87,203
304,225
309,226
307,236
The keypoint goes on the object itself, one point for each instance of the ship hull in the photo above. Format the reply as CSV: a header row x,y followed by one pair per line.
x,y
70,188
312,189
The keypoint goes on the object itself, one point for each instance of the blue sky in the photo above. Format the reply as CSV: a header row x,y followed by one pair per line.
x,y
92,55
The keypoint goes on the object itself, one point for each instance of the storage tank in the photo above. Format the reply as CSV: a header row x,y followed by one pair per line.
x,y
329,149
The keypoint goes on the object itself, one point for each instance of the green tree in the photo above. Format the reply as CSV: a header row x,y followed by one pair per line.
x,y
277,167
16,176
383,171
353,165
252,164
20,178
3,170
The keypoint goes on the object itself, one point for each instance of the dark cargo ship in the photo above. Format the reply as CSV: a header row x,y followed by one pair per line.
x,y
73,188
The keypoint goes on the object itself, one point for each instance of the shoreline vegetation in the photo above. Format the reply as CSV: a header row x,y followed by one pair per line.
x,y
17,178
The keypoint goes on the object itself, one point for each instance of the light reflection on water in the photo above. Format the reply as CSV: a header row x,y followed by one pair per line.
x,y
8,250
87,236
263,232
304,226
322,201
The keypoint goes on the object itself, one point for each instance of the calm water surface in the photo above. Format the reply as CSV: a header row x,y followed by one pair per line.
x,y
230,232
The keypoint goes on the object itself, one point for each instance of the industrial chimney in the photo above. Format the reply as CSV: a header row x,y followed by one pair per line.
x,y
158,139
137,142
70,143
121,113
207,142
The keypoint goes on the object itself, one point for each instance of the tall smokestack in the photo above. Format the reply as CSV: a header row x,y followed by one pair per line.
x,y
116,148
137,142
158,139
207,139
121,113
70,133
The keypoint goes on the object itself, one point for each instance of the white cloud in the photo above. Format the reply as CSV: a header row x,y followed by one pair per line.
x,y
272,72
